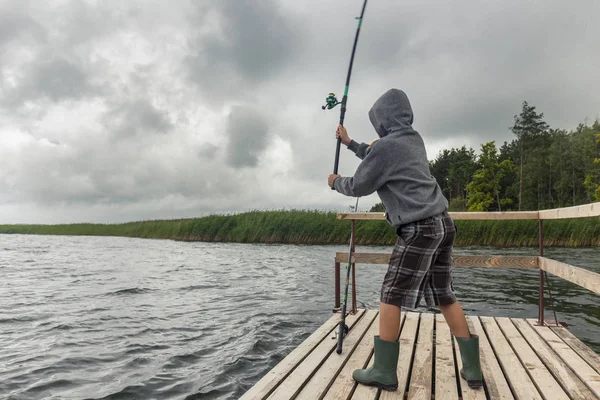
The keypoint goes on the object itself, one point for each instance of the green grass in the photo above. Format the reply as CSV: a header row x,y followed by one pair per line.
x,y
316,227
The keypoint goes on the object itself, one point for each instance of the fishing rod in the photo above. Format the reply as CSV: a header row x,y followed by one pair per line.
x,y
330,102
343,328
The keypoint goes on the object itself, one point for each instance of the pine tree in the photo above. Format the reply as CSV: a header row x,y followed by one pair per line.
x,y
484,191
529,125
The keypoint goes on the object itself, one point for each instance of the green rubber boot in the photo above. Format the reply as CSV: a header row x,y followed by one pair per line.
x,y
383,372
469,354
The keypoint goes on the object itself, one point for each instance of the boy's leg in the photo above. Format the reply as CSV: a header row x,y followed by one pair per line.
x,y
443,293
389,322
455,317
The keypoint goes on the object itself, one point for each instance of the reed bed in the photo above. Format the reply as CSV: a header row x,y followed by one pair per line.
x,y
322,228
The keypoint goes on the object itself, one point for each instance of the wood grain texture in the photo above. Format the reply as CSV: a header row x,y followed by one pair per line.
x,y
494,215
579,347
579,276
356,216
574,387
318,384
515,373
344,384
543,379
457,216
519,360
518,262
407,339
583,211
445,373
421,378
587,374
492,373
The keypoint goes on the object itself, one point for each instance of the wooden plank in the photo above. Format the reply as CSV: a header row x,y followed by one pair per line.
x,y
583,211
445,374
515,373
361,216
589,355
579,276
323,378
522,262
586,210
536,369
582,369
364,258
493,376
344,384
407,340
292,383
559,369
493,215
268,382
421,377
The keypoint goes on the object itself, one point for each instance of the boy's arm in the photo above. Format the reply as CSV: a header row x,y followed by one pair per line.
x,y
370,175
361,150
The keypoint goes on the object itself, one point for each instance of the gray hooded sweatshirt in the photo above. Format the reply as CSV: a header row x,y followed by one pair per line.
x,y
396,166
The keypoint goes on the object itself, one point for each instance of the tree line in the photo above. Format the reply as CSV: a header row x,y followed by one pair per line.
x,y
540,168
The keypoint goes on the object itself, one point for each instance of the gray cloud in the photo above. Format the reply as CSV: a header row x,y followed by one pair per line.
x,y
100,172
88,89
138,117
208,151
247,131
252,43
56,79
14,22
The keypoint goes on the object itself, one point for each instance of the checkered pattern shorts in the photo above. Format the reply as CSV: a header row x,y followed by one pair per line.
x,y
421,264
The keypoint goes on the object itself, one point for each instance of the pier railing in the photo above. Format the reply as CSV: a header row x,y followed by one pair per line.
x,y
579,276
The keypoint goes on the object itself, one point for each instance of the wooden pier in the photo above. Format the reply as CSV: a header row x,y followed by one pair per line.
x,y
521,359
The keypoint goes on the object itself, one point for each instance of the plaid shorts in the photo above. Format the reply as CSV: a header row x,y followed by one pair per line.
x,y
421,264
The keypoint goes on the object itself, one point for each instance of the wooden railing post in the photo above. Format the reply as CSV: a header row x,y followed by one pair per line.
x,y
541,303
353,271
337,286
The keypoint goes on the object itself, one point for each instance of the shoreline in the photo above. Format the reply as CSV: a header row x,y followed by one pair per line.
x,y
322,228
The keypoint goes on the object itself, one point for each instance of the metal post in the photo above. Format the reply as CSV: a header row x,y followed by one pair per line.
x,y
337,286
541,303
353,271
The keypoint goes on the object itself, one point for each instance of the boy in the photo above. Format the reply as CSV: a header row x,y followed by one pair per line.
x,y
396,166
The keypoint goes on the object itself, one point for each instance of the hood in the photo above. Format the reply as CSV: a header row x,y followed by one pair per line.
x,y
391,113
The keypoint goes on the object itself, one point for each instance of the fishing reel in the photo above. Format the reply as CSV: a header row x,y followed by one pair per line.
x,y
336,333
330,102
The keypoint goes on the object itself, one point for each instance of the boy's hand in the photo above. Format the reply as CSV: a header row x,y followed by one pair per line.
x,y
341,133
331,179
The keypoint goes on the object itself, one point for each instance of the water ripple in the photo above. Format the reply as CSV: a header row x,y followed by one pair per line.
x,y
135,290
121,318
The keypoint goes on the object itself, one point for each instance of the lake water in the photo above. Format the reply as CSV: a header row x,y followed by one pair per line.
x,y
122,318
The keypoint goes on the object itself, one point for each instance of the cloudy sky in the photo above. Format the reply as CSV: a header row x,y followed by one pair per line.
x,y
125,110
